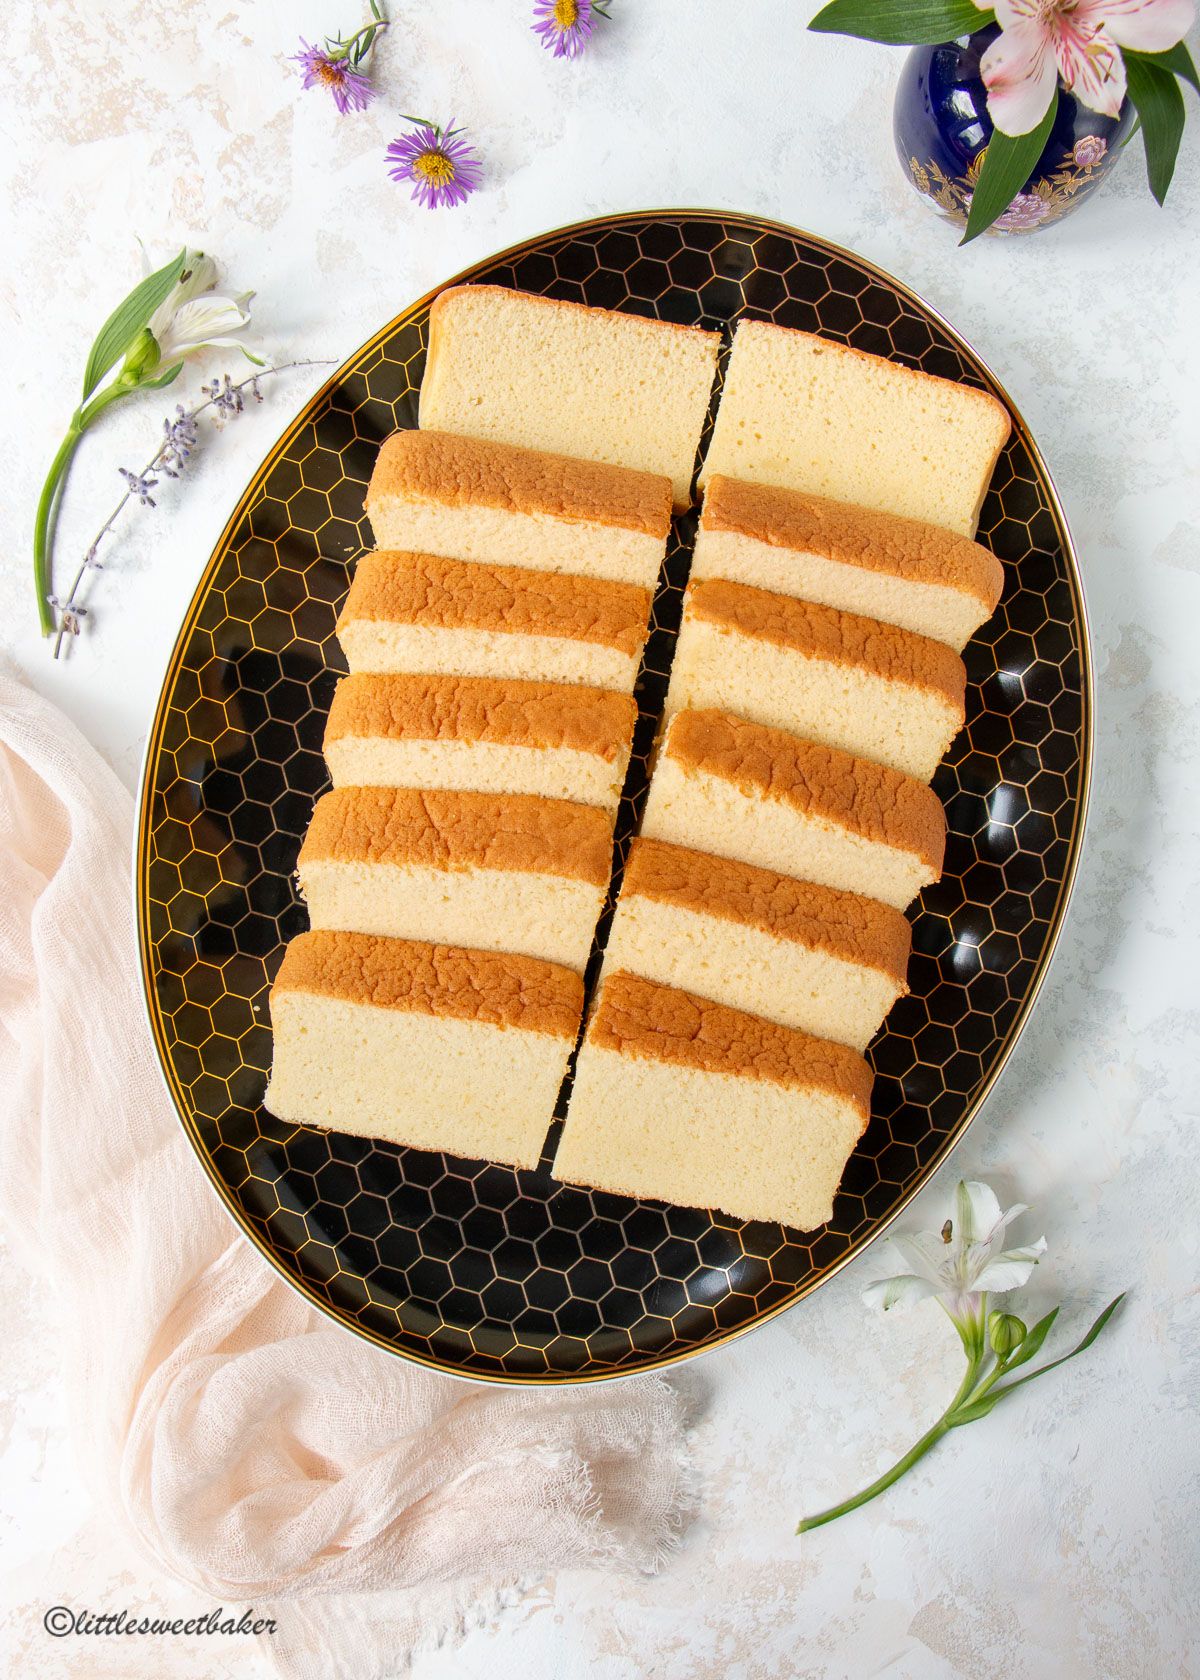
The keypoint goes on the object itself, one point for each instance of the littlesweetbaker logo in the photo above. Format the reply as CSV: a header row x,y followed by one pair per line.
x,y
61,1621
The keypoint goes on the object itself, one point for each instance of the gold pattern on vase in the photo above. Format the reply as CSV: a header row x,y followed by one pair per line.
x,y
1048,200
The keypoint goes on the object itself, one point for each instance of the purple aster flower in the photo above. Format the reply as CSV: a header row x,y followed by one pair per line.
x,y
565,26
442,168
350,88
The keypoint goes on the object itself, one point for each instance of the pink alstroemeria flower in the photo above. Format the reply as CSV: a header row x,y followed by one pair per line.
x,y
1079,40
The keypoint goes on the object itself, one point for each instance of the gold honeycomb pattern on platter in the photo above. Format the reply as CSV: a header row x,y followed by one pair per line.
x,y
480,1269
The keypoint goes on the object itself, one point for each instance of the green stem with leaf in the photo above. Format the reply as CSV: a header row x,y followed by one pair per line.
x,y
976,1397
124,336
43,525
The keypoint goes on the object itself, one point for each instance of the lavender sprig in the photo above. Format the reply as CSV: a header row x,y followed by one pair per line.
x,y
180,439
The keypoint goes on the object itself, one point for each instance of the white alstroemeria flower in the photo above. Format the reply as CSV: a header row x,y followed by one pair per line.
x,y
960,1268
196,317
960,1264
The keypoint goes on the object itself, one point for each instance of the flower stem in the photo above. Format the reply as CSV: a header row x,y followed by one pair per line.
x,y
43,523
155,461
930,1439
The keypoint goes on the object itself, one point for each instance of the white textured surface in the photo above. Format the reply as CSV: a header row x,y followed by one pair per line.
x,y
1056,1537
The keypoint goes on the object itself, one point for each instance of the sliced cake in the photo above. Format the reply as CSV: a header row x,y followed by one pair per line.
x,y
831,677
682,1099
417,612
480,735
471,499
491,871
899,571
424,1045
592,383
740,790
827,963
804,412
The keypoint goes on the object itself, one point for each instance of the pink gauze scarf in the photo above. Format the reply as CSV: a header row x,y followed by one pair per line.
x,y
254,1448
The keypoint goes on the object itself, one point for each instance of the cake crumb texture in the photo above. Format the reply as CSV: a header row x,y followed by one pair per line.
x,y
809,414
596,384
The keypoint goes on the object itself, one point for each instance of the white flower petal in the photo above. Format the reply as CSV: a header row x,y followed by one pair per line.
x,y
897,1291
925,1253
201,272
200,275
1091,65
1144,25
206,320
1020,72
977,1210
1014,1212
1002,1274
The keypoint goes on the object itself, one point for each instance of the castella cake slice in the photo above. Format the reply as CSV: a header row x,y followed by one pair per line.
x,y
417,612
738,789
424,1045
682,1099
828,676
480,735
899,571
826,963
809,414
592,383
471,499
490,871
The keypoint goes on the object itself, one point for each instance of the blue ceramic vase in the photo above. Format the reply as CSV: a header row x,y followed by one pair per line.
x,y
942,129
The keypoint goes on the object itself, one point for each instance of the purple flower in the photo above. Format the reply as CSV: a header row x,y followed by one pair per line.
x,y
1089,150
139,485
565,26
350,88
442,168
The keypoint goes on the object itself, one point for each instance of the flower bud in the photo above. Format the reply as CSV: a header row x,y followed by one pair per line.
x,y
1005,1332
141,358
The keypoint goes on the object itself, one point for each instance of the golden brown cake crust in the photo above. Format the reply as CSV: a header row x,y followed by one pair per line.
x,y
444,300
881,542
639,1018
460,472
871,800
847,926
528,714
396,587
496,990
826,633
436,829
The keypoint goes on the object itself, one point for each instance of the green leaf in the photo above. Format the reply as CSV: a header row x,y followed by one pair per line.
x,y
973,1411
1087,1341
127,321
1007,164
1177,60
1032,1343
1159,103
167,378
902,22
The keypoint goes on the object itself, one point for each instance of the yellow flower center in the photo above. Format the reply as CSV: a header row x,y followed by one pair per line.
x,y
329,75
566,14
434,167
